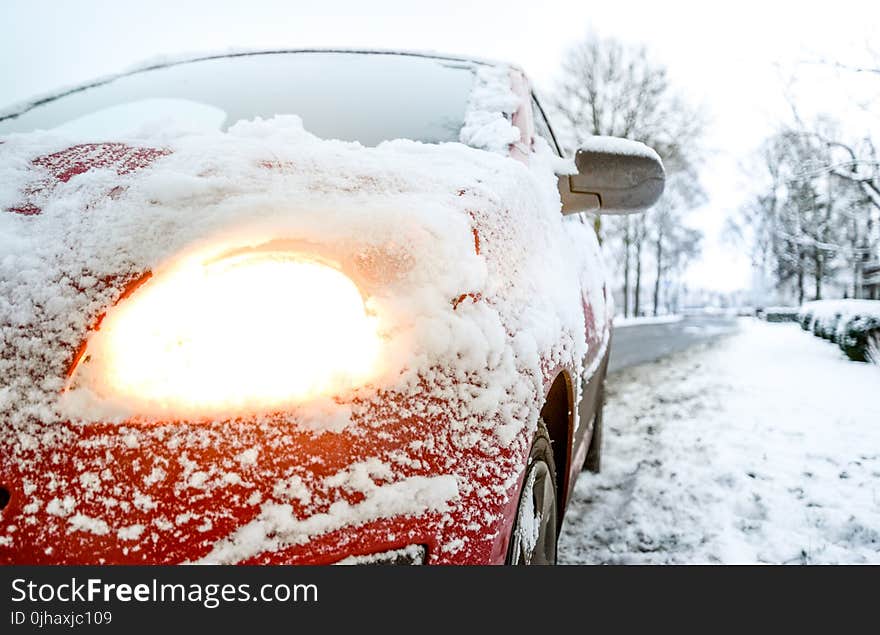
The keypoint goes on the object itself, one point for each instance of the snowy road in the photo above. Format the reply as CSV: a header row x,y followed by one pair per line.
x,y
646,342
761,447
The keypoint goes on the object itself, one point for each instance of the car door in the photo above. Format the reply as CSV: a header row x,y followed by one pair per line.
x,y
588,397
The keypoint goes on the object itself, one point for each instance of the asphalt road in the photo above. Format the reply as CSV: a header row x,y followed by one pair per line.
x,y
641,343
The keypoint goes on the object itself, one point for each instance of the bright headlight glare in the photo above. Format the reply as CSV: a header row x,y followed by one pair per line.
x,y
253,332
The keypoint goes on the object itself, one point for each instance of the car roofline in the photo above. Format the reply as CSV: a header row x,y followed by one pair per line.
x,y
20,108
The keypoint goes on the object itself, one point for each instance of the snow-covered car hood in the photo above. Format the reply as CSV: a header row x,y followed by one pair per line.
x,y
457,253
451,243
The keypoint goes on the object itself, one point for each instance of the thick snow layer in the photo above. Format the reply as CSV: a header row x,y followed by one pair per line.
x,y
462,255
617,145
764,449
488,120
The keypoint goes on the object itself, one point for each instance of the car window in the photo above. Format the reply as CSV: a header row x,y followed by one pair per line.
x,y
365,97
542,126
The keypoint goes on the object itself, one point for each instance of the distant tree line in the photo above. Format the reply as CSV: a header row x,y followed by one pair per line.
x,y
814,225
611,88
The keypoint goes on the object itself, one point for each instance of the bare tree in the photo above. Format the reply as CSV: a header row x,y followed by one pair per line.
x,y
610,88
675,245
814,218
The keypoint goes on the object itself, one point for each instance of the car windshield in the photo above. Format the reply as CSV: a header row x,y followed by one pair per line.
x,y
364,97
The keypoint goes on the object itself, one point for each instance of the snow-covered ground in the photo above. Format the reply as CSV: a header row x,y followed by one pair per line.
x,y
762,448
620,321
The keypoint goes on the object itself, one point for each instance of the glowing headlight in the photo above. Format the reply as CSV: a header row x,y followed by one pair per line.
x,y
250,332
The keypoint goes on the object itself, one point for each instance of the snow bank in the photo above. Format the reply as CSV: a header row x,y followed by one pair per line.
x,y
621,321
832,318
779,313
824,309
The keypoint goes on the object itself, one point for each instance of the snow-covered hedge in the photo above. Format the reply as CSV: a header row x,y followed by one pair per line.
x,y
779,313
853,324
859,338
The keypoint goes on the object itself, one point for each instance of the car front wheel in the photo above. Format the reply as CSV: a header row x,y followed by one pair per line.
x,y
534,534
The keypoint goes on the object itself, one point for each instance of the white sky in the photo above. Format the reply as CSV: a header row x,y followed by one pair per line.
x,y
734,58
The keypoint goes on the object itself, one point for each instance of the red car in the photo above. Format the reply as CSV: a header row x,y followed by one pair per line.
x,y
300,307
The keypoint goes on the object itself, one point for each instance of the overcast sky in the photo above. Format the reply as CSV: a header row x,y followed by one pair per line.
x,y
736,59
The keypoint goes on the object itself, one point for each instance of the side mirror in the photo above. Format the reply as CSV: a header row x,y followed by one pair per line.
x,y
615,176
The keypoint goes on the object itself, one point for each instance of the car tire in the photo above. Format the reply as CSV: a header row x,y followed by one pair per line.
x,y
593,462
536,527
